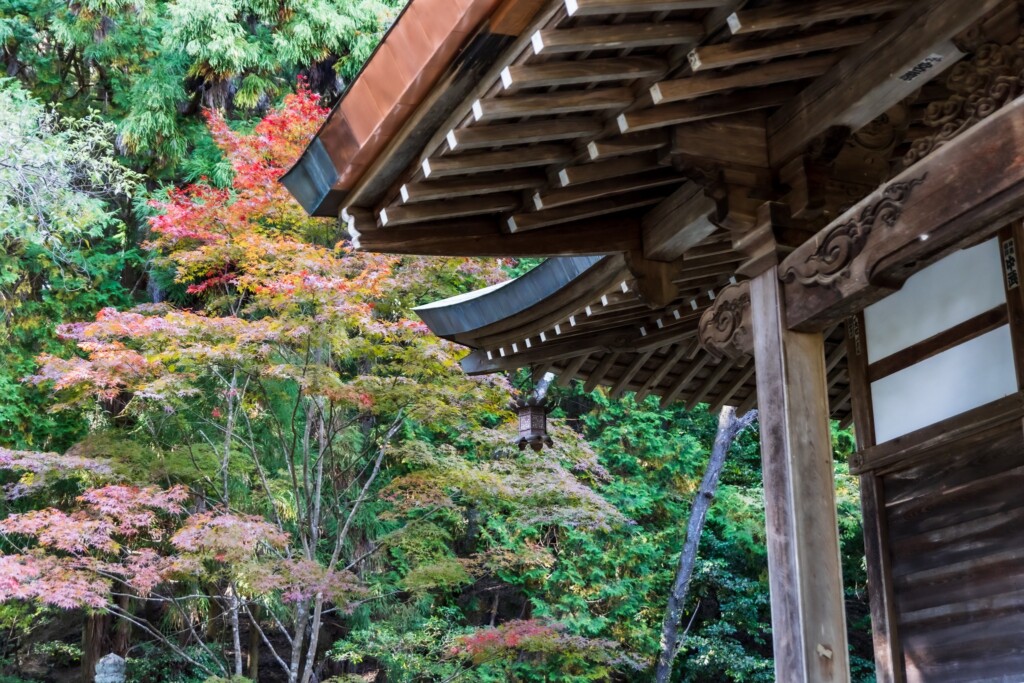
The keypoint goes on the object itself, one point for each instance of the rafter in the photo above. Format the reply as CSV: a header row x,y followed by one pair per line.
x,y
483,162
789,14
692,87
471,186
483,238
584,8
616,37
911,49
449,208
705,108
719,55
522,222
527,133
571,102
549,199
583,71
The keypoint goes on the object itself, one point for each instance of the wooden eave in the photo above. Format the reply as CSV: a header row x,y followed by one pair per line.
x,y
596,327
649,133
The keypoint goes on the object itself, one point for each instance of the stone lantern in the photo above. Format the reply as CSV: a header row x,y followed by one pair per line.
x,y
533,423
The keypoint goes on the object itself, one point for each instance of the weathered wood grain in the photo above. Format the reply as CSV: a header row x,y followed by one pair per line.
x,y
986,192
808,619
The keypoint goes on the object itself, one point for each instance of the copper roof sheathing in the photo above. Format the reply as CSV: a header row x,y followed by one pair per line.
x,y
415,52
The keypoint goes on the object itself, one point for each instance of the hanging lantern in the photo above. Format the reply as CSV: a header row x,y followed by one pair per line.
x,y
533,424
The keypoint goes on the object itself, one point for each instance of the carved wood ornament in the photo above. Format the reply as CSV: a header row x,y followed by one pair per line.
x,y
981,86
725,328
831,260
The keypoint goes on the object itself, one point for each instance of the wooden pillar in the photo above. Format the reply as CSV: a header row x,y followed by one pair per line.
x,y
808,620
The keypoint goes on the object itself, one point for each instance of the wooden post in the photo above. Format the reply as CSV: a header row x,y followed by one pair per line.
x,y
808,621
884,621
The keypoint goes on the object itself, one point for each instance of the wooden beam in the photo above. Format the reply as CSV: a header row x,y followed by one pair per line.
x,y
788,15
804,572
629,373
879,243
581,72
686,375
710,383
586,8
483,238
483,162
471,186
884,615
449,208
569,102
680,222
616,37
1011,249
621,145
600,371
528,133
913,48
742,377
689,88
572,369
603,170
549,199
670,362
705,108
732,141
522,222
719,55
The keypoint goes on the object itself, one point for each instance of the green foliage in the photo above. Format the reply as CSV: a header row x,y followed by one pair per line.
x,y
150,65
63,249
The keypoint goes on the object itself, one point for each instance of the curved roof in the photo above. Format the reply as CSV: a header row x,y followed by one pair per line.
x,y
460,316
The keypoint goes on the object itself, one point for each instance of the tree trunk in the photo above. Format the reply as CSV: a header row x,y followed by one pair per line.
x,y
728,427
254,644
94,642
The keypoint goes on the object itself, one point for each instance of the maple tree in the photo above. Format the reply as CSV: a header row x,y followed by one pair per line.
x,y
293,380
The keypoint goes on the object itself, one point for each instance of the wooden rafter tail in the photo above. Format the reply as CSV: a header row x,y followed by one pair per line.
x,y
789,15
616,37
581,72
622,145
719,55
449,208
523,222
683,89
604,170
571,102
549,199
584,8
526,133
485,162
471,186
705,108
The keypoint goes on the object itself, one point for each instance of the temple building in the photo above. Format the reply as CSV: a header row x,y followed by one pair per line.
x,y
811,207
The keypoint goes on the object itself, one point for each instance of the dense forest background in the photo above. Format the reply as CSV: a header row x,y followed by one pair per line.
x,y
229,449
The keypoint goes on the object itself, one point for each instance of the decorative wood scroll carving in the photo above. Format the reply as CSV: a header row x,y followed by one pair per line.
x,y
981,85
725,328
842,243
933,220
